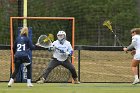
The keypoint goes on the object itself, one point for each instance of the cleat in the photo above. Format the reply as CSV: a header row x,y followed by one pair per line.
x,y
135,81
10,82
30,85
41,81
76,81
9,86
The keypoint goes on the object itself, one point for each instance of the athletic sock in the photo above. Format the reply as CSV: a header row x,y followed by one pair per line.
x,y
136,77
28,80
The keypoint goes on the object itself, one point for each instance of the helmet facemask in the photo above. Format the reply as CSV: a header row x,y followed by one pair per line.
x,y
61,36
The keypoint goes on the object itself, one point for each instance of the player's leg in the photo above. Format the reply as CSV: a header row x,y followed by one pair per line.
x,y
26,62
134,65
50,67
17,66
29,83
67,64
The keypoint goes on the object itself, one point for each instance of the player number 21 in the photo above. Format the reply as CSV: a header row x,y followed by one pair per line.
x,y
20,47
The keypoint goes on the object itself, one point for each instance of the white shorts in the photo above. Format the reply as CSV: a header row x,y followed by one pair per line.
x,y
137,56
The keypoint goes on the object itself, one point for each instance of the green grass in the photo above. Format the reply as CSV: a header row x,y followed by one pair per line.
x,y
71,88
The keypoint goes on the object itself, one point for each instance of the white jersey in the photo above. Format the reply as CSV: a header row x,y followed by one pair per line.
x,y
136,39
66,47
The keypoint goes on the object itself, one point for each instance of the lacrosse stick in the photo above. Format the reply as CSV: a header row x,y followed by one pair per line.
x,y
45,41
107,23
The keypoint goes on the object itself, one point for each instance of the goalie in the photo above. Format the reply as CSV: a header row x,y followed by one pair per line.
x,y
62,49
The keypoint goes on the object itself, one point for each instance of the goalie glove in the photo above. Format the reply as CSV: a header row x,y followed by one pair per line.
x,y
51,48
69,53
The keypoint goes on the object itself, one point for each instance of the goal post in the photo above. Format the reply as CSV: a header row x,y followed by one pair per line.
x,y
12,29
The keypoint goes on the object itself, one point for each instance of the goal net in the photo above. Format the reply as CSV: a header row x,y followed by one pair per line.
x,y
40,56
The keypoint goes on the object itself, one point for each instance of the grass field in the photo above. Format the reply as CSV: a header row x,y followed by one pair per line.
x,y
96,66
71,88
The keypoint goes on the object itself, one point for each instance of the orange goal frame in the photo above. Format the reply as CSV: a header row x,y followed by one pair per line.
x,y
38,18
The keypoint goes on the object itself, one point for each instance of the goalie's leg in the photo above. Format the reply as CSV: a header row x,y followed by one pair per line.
x,y
71,68
50,67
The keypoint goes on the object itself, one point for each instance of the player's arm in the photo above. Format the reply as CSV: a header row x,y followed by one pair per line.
x,y
31,46
70,50
131,46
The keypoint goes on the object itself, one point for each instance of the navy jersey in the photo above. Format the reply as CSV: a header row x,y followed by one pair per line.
x,y
22,46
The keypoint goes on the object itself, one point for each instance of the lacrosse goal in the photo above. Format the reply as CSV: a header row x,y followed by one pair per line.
x,y
40,56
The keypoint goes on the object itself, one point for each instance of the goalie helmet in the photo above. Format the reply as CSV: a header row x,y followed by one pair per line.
x,y
61,36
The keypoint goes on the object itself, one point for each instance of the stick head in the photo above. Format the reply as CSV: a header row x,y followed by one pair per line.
x,y
45,41
50,37
107,23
